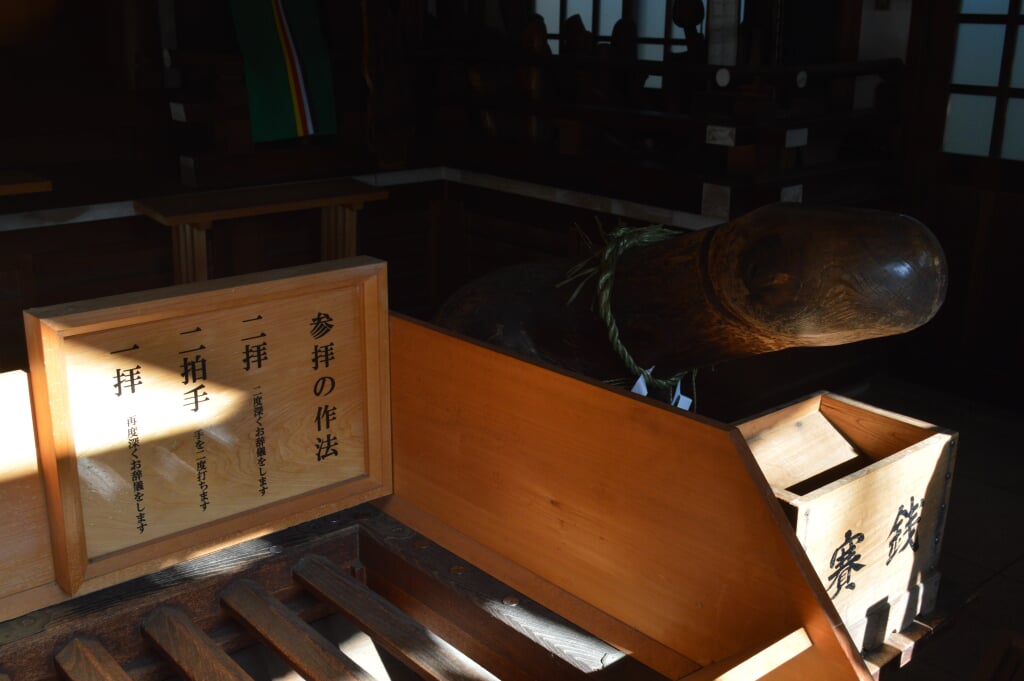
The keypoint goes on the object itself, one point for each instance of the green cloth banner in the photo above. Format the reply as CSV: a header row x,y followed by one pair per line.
x,y
287,68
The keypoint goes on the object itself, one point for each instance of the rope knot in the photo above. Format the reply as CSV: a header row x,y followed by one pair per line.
x,y
601,263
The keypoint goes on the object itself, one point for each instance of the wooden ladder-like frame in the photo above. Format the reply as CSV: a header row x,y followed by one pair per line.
x,y
203,619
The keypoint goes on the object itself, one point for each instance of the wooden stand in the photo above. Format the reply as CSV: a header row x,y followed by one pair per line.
x,y
191,216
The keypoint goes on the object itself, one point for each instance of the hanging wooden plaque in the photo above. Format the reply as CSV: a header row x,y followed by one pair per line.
x,y
175,421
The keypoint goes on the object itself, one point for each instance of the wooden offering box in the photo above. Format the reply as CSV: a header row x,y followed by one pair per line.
x,y
867,492
174,420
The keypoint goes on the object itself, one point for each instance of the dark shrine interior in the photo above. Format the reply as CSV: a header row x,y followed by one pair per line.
x,y
501,132
119,100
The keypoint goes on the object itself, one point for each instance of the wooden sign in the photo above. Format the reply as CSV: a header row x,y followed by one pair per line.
x,y
175,420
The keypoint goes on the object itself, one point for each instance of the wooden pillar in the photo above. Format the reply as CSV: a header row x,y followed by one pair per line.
x,y
339,231
188,245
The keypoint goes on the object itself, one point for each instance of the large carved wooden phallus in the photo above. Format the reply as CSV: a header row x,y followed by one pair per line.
x,y
782,276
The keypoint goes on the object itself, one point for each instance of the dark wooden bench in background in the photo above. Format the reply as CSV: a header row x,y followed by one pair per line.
x,y
191,215
16,183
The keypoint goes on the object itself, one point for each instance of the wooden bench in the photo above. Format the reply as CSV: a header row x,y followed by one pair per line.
x,y
17,183
191,215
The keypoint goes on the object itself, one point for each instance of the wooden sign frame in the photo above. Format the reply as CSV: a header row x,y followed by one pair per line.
x,y
176,421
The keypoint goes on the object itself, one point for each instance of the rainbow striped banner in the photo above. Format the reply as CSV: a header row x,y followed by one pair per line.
x,y
287,69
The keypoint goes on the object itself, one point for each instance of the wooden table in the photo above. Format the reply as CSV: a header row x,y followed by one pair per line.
x,y
191,215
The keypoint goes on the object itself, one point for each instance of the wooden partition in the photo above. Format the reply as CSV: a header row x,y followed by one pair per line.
x,y
651,527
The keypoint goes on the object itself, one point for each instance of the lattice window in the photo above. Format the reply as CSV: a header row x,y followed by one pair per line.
x,y
985,109
657,35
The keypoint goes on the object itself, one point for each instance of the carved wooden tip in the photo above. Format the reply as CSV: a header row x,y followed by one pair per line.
x,y
827,276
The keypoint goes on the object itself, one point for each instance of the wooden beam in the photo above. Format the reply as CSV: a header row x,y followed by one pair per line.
x,y
225,204
430,656
193,652
189,251
758,663
87,660
305,650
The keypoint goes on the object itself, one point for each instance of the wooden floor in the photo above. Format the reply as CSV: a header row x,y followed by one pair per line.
x,y
981,595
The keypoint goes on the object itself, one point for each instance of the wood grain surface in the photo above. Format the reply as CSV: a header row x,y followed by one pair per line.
x,y
658,518
171,419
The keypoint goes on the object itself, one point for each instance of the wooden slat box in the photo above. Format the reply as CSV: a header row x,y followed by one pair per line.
x,y
867,492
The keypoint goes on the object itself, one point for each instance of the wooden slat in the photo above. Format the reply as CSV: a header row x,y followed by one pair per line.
x,y
899,648
877,432
309,653
87,660
755,665
484,618
28,643
190,252
192,652
753,427
27,561
59,473
403,637
801,449
339,228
